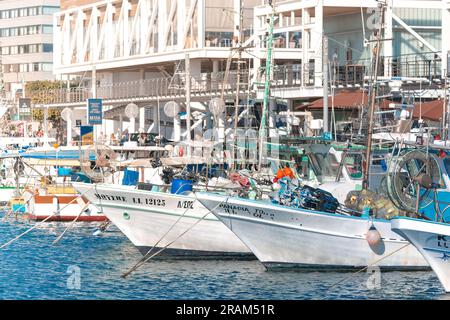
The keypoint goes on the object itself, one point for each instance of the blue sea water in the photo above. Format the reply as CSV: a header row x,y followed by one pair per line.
x,y
33,268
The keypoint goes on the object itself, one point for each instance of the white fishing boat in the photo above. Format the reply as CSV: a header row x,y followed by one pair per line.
x,y
158,219
283,236
432,239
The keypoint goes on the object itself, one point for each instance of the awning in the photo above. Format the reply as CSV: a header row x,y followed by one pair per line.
x,y
345,100
431,110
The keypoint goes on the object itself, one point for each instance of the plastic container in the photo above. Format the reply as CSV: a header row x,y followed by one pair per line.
x,y
181,186
64,172
130,177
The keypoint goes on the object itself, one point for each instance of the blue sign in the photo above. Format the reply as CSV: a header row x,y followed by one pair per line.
x,y
87,135
95,114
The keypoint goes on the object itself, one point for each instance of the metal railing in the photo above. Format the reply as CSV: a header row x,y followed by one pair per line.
x,y
424,65
205,84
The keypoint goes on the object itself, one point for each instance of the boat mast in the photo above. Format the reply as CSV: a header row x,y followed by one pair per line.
x,y
238,80
262,130
374,86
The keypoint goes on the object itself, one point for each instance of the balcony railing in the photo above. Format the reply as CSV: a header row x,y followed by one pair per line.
x,y
205,84
426,65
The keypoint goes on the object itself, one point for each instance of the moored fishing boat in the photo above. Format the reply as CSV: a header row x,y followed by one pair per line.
x,y
432,239
283,236
161,219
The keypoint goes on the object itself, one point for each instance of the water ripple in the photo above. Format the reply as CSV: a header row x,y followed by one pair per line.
x,y
33,268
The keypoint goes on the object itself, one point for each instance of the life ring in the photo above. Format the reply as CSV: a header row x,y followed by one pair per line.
x,y
180,151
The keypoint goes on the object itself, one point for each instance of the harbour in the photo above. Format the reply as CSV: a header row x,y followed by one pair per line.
x,y
210,150
38,269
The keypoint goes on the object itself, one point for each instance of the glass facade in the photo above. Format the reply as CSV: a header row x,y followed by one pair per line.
x,y
26,30
28,12
27,48
27,67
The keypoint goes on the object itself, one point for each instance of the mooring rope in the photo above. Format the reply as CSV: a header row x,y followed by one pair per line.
x,y
171,227
370,265
146,259
41,222
71,224
14,212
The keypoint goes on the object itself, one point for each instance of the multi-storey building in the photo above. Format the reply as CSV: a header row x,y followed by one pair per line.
x,y
130,51
26,42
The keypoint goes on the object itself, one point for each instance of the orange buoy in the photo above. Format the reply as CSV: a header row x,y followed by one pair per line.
x,y
288,172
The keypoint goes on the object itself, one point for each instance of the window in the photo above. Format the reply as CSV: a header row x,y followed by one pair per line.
x,y
47,29
34,48
23,67
32,11
49,10
47,66
24,49
47,47
33,29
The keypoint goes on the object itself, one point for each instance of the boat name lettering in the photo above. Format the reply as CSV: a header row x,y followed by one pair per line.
x,y
259,213
232,209
442,242
185,204
235,209
150,201
109,197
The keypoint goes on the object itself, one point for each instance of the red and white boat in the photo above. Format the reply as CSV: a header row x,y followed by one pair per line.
x,y
60,204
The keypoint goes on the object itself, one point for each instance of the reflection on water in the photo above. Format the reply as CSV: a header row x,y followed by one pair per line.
x,y
33,268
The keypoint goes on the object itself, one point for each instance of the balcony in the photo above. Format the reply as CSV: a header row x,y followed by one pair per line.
x,y
205,85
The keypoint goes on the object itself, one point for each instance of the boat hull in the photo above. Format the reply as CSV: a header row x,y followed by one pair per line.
x,y
287,237
155,219
67,207
433,242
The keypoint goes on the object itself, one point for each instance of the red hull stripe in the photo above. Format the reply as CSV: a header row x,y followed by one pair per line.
x,y
69,218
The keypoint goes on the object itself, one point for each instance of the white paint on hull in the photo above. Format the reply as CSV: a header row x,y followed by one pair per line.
x,y
146,216
432,240
286,236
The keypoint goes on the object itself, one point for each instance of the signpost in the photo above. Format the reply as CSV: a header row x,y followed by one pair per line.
x,y
95,115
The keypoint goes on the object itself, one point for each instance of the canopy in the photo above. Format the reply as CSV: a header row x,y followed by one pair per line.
x,y
345,100
431,110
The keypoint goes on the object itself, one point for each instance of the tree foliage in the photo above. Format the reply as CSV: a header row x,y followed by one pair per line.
x,y
41,92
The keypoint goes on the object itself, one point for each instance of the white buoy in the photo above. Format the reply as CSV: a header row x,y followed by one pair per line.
x,y
373,237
